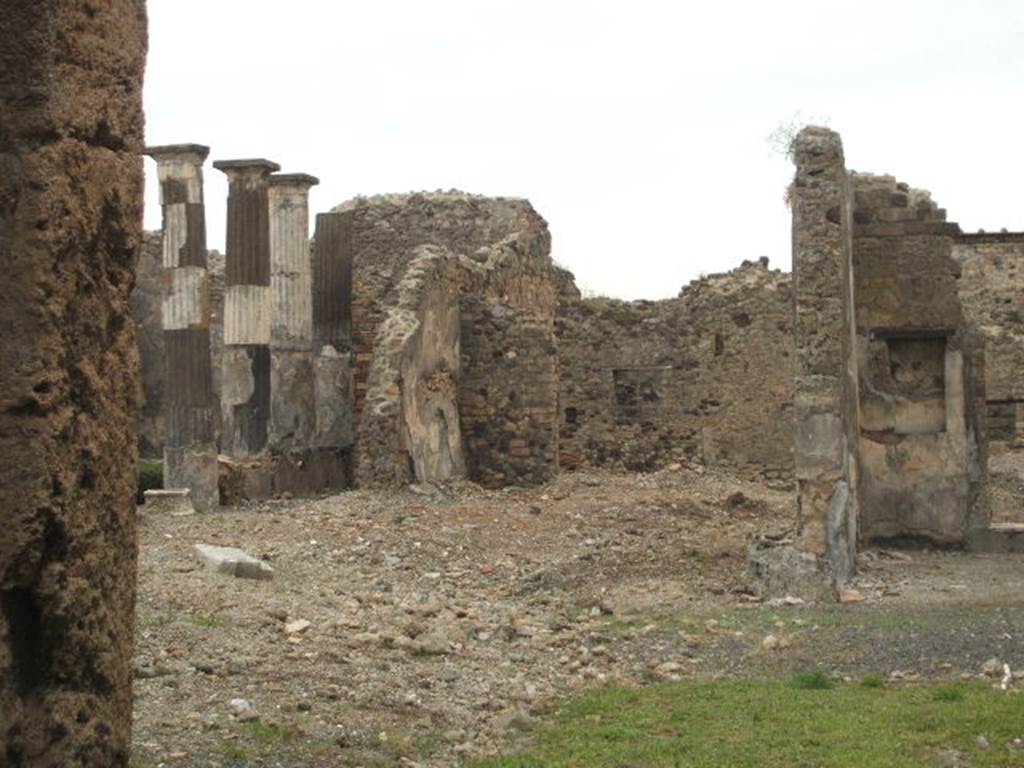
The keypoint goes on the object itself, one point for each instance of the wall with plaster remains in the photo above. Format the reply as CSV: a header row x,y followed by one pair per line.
x,y
409,430
922,446
504,286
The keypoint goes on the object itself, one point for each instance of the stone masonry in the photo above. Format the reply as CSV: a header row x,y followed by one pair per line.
x,y
991,288
706,377
826,386
71,134
922,439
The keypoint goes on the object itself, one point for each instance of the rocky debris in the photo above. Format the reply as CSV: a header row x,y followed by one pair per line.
x,y
232,561
444,617
242,709
850,595
296,627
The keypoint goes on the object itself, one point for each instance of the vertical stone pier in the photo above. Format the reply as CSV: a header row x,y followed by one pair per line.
x,y
71,138
826,378
190,452
292,407
245,380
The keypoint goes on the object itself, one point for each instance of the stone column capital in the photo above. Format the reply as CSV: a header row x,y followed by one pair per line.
x,y
251,170
191,154
297,182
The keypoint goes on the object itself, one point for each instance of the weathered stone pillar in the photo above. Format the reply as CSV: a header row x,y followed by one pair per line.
x,y
292,406
245,381
332,330
190,451
826,378
71,137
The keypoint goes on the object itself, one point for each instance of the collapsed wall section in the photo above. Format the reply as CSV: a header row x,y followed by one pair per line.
x,y
707,376
71,131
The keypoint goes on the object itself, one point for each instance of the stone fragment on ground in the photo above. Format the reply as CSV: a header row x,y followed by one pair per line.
x,y
232,561
849,595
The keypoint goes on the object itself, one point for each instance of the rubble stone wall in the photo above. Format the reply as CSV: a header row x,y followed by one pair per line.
x,y
508,387
501,248
825,397
71,134
707,376
387,228
991,289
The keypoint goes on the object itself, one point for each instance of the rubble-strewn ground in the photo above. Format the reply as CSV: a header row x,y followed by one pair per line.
x,y
445,627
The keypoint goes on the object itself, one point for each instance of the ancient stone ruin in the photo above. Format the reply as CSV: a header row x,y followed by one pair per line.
x,y
430,336
71,134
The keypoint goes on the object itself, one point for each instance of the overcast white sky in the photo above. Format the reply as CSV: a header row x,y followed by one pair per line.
x,y
637,129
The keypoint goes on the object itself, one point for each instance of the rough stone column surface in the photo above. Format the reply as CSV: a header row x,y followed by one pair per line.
x,y
71,130
245,376
292,407
822,300
190,452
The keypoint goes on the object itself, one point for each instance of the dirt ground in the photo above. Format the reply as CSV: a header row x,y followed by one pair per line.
x,y
442,627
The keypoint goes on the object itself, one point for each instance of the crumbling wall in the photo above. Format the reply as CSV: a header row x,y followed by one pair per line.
x,y
71,131
508,388
991,289
385,229
922,444
508,426
409,430
706,376
146,298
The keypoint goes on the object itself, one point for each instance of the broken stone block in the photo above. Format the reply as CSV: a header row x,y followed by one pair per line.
x,y
233,562
176,502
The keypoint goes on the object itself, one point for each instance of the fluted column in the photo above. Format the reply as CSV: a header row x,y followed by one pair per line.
x,y
292,405
245,381
190,453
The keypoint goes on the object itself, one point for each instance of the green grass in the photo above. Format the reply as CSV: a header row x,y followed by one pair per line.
x,y
208,620
269,734
151,477
812,681
872,681
776,724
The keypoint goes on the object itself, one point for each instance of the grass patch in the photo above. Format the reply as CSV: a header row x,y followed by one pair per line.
x,y
208,620
269,734
872,681
774,724
950,693
812,681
